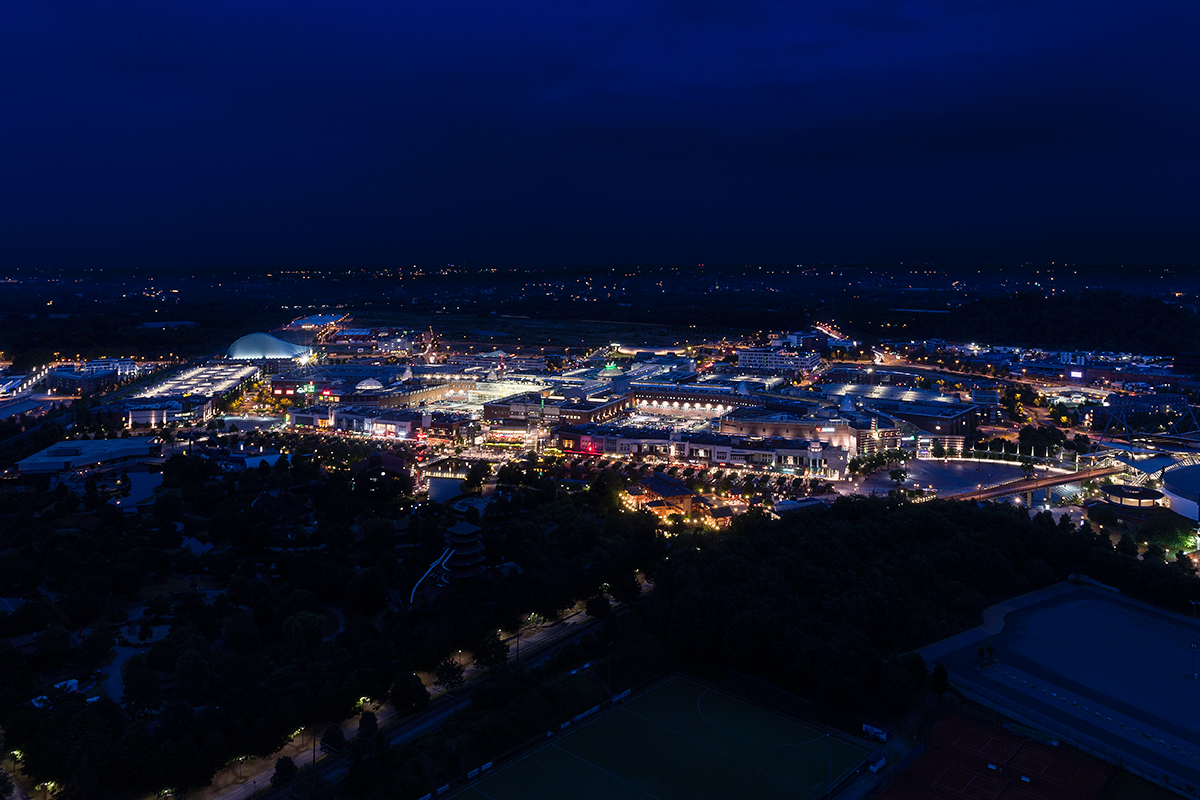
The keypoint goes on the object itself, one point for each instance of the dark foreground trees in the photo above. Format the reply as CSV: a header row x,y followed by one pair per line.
x,y
824,603
285,771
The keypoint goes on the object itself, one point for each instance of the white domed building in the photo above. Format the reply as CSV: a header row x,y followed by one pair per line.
x,y
265,347
1181,486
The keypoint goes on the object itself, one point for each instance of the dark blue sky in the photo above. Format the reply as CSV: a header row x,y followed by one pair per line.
x,y
241,134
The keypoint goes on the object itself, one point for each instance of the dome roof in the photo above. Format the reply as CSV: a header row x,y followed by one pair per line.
x,y
257,346
610,371
1183,481
368,384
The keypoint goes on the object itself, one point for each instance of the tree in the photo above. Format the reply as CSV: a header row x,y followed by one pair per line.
x,y
96,646
302,634
490,651
1027,466
450,674
1102,514
368,725
939,680
899,476
333,739
476,474
309,785
53,644
143,692
6,784
191,676
938,450
1126,546
624,588
597,606
285,771
409,695
367,591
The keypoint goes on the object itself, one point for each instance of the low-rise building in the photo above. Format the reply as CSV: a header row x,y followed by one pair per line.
x,y
72,382
71,455
499,361
192,394
778,358
666,497
548,409
793,456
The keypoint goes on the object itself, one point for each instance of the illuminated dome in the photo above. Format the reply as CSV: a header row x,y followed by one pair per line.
x,y
369,384
259,346
610,371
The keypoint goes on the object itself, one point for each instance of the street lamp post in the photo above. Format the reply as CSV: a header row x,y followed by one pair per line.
x,y
1194,645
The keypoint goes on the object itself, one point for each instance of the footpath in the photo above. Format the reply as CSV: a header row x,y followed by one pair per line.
x,y
247,776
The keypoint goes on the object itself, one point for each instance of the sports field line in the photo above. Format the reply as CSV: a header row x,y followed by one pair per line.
x,y
746,739
602,769
715,750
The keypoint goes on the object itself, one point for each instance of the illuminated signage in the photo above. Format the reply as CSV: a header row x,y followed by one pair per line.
x,y
1076,374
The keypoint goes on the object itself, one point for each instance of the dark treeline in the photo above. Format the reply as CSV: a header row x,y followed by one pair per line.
x,y
256,646
1086,320
825,602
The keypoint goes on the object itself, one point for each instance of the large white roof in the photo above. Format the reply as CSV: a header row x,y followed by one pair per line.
x,y
257,346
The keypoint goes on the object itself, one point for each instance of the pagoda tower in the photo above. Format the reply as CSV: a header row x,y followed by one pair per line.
x,y
467,556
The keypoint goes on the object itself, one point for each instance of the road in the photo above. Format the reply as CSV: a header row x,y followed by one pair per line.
x,y
251,777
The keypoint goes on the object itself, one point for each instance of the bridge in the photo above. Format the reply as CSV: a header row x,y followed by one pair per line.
x,y
1030,485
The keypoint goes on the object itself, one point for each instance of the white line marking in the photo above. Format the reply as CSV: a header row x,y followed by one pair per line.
x,y
606,772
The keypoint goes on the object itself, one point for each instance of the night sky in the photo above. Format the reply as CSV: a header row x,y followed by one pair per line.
x,y
547,132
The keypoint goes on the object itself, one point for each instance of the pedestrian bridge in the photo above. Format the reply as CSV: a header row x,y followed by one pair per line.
x,y
1030,485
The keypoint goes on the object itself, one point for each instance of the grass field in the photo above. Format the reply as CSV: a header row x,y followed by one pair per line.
x,y
678,740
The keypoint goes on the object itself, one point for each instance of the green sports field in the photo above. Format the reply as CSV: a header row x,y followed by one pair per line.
x,y
678,740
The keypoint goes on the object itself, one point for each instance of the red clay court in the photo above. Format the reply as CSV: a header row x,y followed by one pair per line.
x,y
966,759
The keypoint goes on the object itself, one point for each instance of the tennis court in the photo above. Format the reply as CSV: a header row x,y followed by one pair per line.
x,y
968,760
678,740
